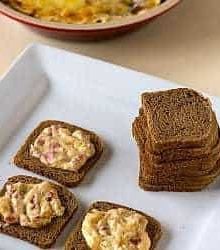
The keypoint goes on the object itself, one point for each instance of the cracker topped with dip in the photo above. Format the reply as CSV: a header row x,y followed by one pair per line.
x,y
60,151
34,210
109,226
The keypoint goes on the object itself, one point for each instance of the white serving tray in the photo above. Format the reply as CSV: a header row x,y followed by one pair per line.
x,y
47,83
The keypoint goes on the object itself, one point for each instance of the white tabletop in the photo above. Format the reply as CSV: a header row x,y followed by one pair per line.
x,y
182,46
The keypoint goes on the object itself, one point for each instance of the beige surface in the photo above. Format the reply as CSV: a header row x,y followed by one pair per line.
x,y
182,46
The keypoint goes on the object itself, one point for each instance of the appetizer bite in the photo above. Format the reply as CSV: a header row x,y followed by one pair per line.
x,y
35,210
60,151
178,139
108,226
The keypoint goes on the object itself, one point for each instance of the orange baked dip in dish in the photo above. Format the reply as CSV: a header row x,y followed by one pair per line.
x,y
82,11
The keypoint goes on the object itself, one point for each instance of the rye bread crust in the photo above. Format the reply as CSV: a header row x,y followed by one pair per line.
x,y
76,240
46,236
177,118
23,159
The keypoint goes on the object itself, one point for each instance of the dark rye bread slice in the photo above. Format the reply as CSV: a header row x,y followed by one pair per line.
x,y
142,122
197,182
142,126
177,118
178,184
23,159
194,167
195,171
46,236
192,180
76,240
171,187
140,133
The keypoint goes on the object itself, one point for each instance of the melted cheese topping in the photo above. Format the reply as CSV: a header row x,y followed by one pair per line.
x,y
115,229
59,148
30,205
82,11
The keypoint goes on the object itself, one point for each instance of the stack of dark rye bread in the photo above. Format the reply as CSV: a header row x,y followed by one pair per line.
x,y
178,139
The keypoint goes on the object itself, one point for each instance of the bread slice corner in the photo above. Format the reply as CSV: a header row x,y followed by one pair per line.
x,y
46,236
76,240
24,160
